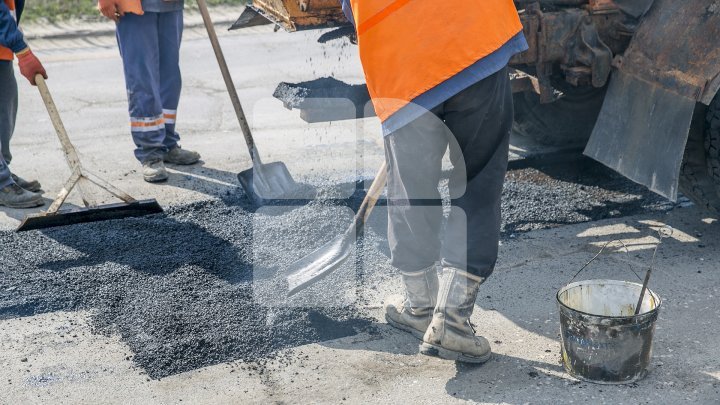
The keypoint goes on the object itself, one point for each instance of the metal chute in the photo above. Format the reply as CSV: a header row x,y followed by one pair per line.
x,y
292,15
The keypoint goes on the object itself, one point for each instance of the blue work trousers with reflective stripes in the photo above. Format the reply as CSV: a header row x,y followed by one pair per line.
x,y
150,49
8,113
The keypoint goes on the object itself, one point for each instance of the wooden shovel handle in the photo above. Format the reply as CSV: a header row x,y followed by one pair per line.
x,y
70,153
372,196
242,120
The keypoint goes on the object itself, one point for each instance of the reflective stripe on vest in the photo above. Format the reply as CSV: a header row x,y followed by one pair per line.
x,y
408,47
5,53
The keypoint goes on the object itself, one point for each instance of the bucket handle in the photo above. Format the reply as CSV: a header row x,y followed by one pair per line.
x,y
627,251
664,232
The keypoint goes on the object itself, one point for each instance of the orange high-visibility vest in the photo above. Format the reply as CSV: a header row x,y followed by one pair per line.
x,y
408,47
5,53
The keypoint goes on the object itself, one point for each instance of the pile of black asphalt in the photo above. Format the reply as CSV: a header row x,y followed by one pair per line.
x,y
203,283
569,192
180,287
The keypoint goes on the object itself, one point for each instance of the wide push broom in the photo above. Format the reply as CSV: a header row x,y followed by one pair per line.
x,y
80,177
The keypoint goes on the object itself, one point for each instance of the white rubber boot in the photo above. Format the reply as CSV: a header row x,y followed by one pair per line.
x,y
450,334
413,313
154,171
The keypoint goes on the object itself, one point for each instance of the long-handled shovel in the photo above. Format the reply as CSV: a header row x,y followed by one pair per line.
x,y
265,181
315,266
130,207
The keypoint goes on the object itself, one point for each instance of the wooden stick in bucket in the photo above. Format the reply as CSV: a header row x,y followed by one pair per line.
x,y
665,232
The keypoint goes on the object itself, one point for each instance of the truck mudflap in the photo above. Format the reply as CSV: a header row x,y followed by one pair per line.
x,y
672,63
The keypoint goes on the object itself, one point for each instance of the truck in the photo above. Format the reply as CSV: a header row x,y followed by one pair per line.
x,y
634,82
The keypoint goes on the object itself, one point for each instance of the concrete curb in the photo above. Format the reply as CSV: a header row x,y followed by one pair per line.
x,y
73,29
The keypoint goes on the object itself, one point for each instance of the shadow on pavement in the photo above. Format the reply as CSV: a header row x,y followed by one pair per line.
x,y
209,181
19,214
226,186
154,246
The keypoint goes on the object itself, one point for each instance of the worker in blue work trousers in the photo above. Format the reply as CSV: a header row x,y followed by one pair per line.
x,y
15,192
149,33
442,87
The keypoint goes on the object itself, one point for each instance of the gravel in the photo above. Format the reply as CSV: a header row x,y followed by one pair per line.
x,y
203,283
575,191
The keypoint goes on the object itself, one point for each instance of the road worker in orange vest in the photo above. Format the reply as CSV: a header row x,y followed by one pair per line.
x,y
15,192
148,35
438,77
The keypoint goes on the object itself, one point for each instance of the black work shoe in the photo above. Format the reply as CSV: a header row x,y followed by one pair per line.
x,y
29,185
180,156
14,196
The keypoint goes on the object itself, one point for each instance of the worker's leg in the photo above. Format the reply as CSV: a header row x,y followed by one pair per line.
x,y
414,156
8,114
11,194
169,35
480,118
138,39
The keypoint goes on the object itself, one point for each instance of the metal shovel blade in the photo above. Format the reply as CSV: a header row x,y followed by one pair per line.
x,y
268,181
250,17
319,264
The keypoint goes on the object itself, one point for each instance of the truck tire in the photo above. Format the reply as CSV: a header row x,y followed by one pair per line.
x,y
712,138
569,121
699,179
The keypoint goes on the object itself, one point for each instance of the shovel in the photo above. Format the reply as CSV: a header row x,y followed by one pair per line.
x,y
265,181
322,262
80,177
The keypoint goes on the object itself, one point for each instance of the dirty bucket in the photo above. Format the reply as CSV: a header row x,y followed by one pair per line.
x,y
603,341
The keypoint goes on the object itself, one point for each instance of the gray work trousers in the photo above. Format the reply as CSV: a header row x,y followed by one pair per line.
x,y
8,114
475,126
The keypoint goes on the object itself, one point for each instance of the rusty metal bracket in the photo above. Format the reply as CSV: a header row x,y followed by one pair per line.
x,y
589,50
521,82
543,69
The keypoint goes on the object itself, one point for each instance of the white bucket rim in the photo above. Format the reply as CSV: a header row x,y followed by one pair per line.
x,y
612,282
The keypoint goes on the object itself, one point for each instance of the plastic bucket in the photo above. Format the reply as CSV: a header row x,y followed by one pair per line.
x,y
602,340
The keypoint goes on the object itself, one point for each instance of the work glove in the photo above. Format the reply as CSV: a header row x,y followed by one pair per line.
x,y
111,9
30,66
